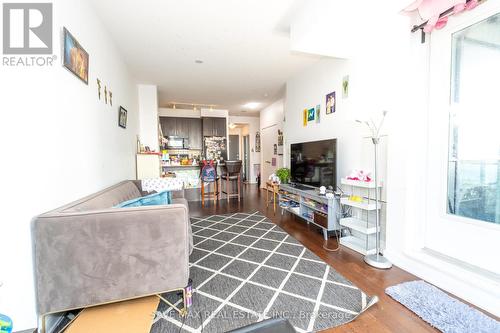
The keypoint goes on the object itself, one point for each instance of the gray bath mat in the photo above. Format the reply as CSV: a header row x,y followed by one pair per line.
x,y
246,269
441,311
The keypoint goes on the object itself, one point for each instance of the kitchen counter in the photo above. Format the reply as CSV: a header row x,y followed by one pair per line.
x,y
181,166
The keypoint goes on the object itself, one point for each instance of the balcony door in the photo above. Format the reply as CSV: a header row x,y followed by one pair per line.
x,y
463,189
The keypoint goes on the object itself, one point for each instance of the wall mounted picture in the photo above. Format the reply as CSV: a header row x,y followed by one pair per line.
x,y
318,110
99,88
280,137
75,58
275,149
311,114
257,142
304,117
331,103
122,117
345,86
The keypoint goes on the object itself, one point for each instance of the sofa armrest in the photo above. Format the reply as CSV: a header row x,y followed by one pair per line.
x,y
94,257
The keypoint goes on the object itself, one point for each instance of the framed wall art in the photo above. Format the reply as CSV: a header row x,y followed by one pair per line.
x,y
75,58
331,103
122,117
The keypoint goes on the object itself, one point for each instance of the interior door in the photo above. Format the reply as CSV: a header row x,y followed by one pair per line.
x,y
234,147
268,139
463,173
246,157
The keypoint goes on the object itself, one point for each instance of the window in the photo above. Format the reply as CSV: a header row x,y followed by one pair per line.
x,y
474,125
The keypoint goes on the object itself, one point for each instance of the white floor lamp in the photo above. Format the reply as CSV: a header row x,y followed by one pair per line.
x,y
376,260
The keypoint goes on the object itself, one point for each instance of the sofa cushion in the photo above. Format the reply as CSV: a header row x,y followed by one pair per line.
x,y
155,199
106,198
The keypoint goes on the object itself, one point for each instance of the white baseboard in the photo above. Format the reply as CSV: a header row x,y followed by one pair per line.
x,y
480,290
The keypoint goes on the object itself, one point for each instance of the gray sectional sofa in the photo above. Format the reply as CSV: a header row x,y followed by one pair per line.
x,y
88,253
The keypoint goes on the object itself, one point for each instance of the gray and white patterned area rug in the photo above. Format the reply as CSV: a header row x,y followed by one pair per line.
x,y
246,269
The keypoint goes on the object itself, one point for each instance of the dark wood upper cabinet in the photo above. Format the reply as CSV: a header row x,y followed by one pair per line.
x,y
183,127
195,134
174,126
220,126
214,126
168,126
193,128
208,126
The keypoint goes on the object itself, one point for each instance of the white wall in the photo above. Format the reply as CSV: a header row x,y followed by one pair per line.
x,y
148,116
253,127
168,112
59,143
408,190
272,115
376,82
308,89
389,71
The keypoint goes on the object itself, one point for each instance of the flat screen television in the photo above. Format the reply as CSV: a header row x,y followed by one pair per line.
x,y
314,163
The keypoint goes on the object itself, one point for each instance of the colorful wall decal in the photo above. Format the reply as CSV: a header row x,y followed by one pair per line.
x,y
304,117
331,102
345,86
318,109
310,114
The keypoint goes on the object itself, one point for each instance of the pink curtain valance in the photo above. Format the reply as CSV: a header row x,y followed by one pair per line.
x,y
432,10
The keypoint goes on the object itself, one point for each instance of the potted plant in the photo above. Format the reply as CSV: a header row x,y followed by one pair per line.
x,y
283,174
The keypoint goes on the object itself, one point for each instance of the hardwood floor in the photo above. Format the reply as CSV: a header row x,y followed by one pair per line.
x,y
385,316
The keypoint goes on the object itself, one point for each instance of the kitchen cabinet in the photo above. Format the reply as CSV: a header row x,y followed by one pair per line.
x,y
220,126
182,127
168,126
172,126
208,126
195,134
214,126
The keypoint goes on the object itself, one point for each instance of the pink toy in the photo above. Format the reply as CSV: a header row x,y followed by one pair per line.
x,y
360,175
429,10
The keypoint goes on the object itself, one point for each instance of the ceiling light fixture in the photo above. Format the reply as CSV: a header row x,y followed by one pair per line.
x,y
252,105
198,61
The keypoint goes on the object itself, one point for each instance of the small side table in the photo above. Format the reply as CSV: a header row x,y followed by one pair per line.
x,y
274,187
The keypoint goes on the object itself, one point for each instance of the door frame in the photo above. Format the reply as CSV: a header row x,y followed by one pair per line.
x,y
444,233
238,153
246,156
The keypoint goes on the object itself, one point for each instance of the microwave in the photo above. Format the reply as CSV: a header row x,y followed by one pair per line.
x,y
175,142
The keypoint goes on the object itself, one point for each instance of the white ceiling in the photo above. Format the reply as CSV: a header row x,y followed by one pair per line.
x,y
244,46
